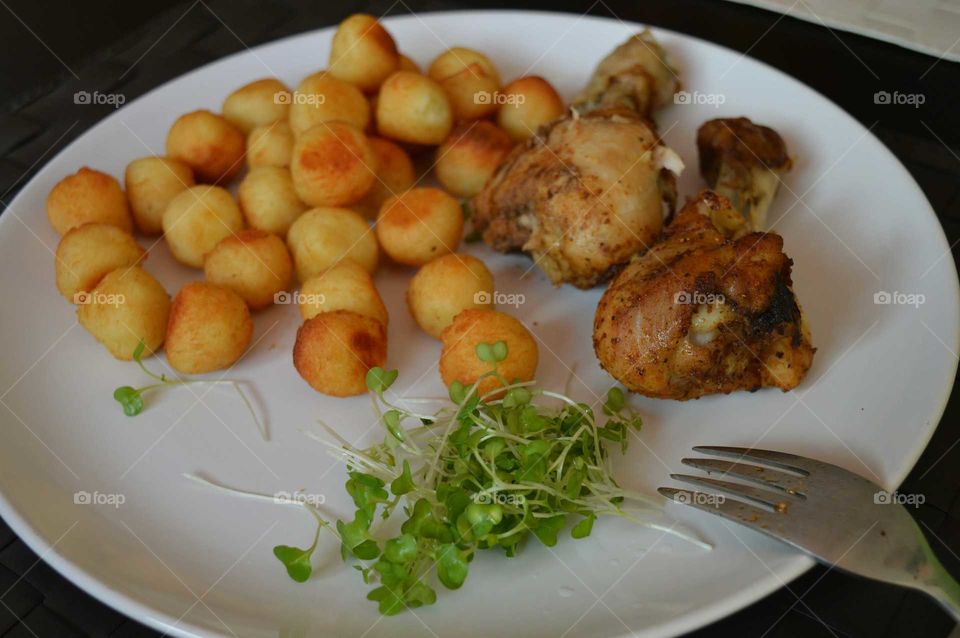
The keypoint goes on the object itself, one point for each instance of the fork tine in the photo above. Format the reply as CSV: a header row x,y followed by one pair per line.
x,y
753,473
782,460
754,495
736,511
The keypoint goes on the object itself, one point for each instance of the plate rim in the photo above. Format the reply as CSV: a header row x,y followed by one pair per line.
x,y
795,566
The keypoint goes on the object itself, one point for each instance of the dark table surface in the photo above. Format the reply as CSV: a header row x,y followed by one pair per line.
x,y
49,50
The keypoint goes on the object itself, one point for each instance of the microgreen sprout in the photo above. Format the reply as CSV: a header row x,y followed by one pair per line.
x,y
487,472
131,398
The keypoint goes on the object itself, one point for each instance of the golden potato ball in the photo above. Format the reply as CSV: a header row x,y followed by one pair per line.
x,y
209,329
254,264
459,360
362,52
324,237
395,174
470,81
345,286
526,104
209,144
88,196
197,219
256,104
447,286
335,350
419,225
413,108
333,164
470,156
323,98
126,307
151,183
407,64
269,201
87,253
270,145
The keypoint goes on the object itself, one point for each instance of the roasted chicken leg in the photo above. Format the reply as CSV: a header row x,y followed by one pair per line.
x,y
586,193
701,313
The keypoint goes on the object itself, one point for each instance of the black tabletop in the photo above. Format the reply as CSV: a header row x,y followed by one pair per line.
x,y
50,50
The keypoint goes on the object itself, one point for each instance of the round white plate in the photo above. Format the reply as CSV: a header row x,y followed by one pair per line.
x,y
194,562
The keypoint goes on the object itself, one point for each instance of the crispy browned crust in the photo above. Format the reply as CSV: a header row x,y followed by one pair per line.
x,y
642,328
737,139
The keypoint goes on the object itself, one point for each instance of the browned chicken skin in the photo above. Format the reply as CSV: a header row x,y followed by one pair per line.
x,y
585,193
582,197
701,313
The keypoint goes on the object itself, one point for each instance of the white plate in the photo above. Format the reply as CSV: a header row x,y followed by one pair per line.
x,y
872,399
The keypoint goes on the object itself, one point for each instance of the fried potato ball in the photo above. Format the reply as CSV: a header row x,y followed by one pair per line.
x,y
467,159
87,253
345,286
445,287
210,328
269,200
459,360
88,196
270,145
413,108
362,52
419,225
323,98
323,237
151,183
332,165
209,144
334,351
526,104
254,264
197,219
127,306
407,64
470,81
256,104
395,174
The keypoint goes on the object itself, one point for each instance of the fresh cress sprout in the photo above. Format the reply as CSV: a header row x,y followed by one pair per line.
x,y
131,399
486,473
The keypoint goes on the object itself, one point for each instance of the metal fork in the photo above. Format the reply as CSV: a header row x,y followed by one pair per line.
x,y
833,515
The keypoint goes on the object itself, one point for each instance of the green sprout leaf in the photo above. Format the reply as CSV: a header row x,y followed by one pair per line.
x,y
401,549
391,419
485,352
451,567
403,484
584,527
296,560
499,351
130,398
380,380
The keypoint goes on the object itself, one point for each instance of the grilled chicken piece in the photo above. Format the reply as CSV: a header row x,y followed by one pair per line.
x,y
581,197
701,313
636,75
743,162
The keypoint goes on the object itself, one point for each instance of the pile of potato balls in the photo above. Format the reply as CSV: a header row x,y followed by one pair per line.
x,y
322,161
